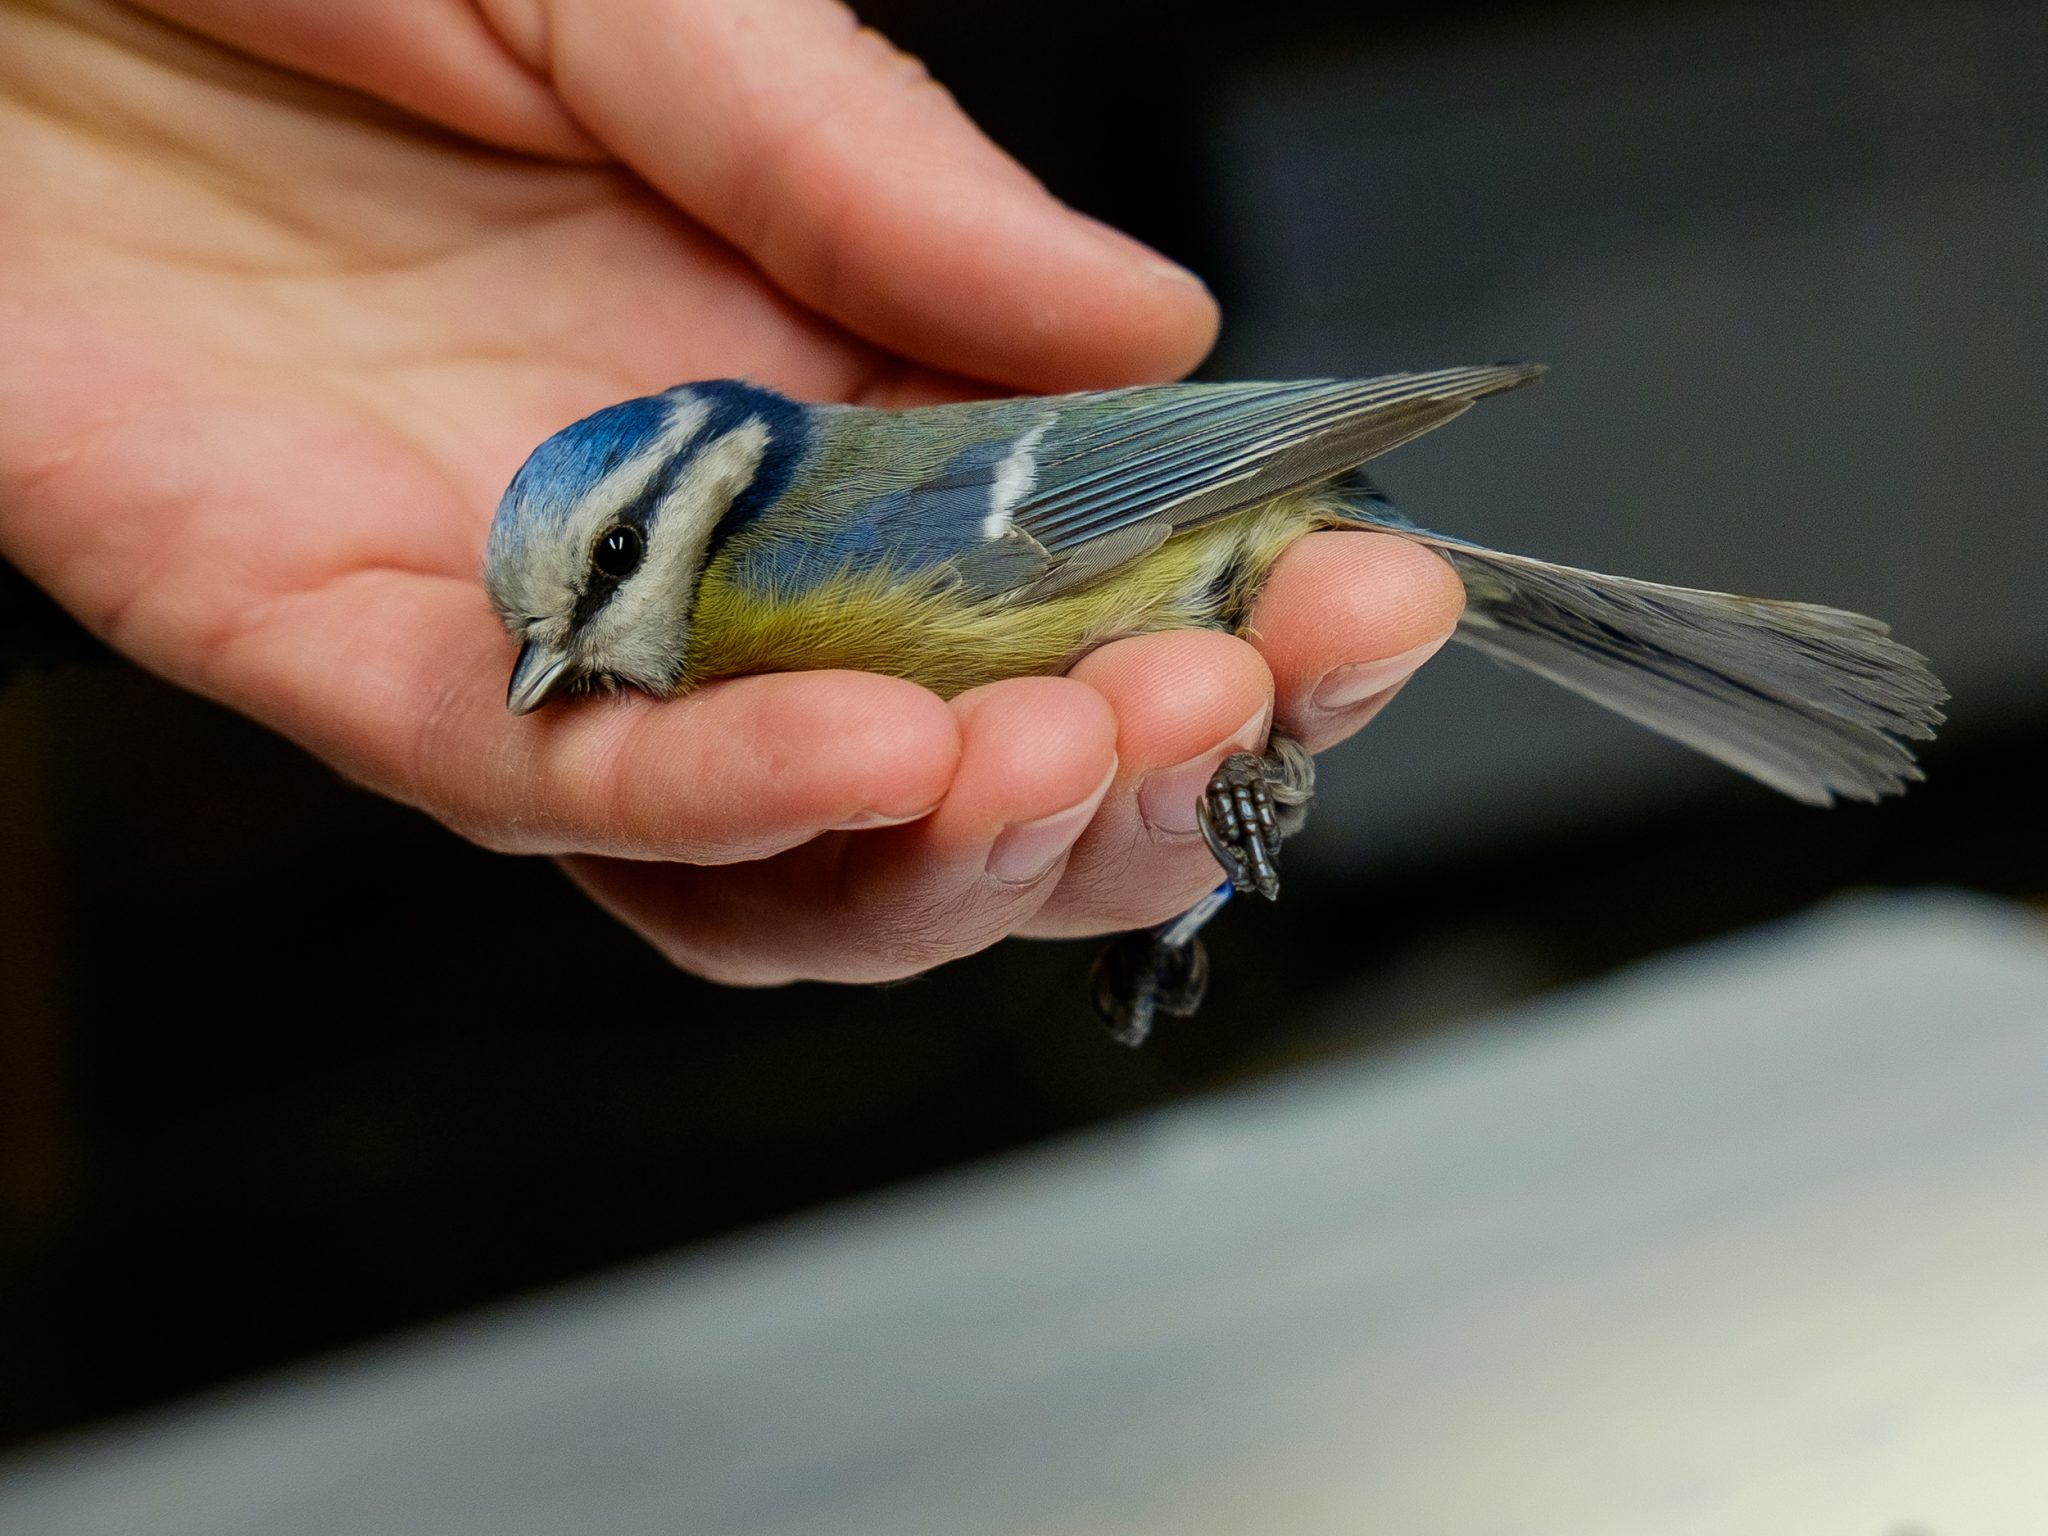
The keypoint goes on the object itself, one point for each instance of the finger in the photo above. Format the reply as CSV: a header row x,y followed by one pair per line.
x,y
1037,757
399,680
1344,620
439,58
1183,701
858,185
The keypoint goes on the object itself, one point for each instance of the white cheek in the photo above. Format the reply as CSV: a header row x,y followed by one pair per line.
x,y
643,632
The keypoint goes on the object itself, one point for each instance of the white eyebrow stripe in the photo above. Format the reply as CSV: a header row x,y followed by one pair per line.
x,y
627,480
1016,473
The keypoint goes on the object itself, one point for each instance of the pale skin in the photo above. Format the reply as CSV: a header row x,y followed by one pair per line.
x,y
289,289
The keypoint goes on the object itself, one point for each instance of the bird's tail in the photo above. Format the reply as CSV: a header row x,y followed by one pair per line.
x,y
1812,701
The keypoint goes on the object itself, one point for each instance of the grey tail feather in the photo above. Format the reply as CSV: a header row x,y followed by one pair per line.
x,y
1813,701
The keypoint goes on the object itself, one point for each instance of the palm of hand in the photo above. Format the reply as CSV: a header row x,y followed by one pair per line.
x,y
286,347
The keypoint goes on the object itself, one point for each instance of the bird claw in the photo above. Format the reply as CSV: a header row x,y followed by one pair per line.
x,y
1136,978
1240,823
1249,807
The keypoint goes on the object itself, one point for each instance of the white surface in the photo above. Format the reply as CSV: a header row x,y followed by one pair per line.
x,y
1752,1240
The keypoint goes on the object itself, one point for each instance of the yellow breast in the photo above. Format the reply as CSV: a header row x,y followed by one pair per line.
x,y
881,621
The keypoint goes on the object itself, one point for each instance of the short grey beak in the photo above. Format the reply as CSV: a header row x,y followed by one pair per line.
x,y
534,676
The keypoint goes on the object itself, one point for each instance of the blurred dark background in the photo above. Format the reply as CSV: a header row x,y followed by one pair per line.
x,y
277,1073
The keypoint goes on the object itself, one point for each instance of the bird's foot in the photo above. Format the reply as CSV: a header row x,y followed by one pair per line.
x,y
1240,827
1251,806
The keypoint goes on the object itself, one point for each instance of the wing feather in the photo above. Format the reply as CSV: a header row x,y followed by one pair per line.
x,y
1187,453
1052,492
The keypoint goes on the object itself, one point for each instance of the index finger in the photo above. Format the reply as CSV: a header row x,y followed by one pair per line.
x,y
860,187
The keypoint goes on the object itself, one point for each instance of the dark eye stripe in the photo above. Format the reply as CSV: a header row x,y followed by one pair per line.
x,y
615,556
599,584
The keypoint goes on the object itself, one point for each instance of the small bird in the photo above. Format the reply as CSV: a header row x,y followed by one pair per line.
x,y
720,528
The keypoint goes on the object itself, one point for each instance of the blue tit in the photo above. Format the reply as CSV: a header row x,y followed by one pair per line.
x,y
719,528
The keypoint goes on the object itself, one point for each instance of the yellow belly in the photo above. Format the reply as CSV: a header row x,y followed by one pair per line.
x,y
876,622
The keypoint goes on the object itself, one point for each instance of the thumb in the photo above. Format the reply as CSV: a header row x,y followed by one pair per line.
x,y
856,183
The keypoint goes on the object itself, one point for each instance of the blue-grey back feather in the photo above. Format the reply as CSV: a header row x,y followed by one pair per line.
x,y
1133,466
1188,453
1042,495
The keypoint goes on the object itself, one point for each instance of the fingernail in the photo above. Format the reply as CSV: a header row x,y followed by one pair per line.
x,y
1167,796
1025,851
1345,686
1166,266
868,820
1150,259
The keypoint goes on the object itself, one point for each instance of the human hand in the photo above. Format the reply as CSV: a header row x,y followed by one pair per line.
x,y
274,346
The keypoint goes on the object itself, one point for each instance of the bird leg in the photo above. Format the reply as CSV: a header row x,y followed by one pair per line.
x,y
1248,809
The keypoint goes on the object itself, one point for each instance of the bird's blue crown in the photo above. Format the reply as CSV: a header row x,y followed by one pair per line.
x,y
577,457
564,467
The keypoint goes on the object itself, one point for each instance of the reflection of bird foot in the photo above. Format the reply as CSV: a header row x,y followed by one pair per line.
x,y
1137,976
1240,824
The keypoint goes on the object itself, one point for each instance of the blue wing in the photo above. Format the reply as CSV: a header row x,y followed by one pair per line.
x,y
1190,452
1116,474
1043,495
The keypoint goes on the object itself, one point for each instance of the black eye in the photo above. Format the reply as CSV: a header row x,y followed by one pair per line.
x,y
618,552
